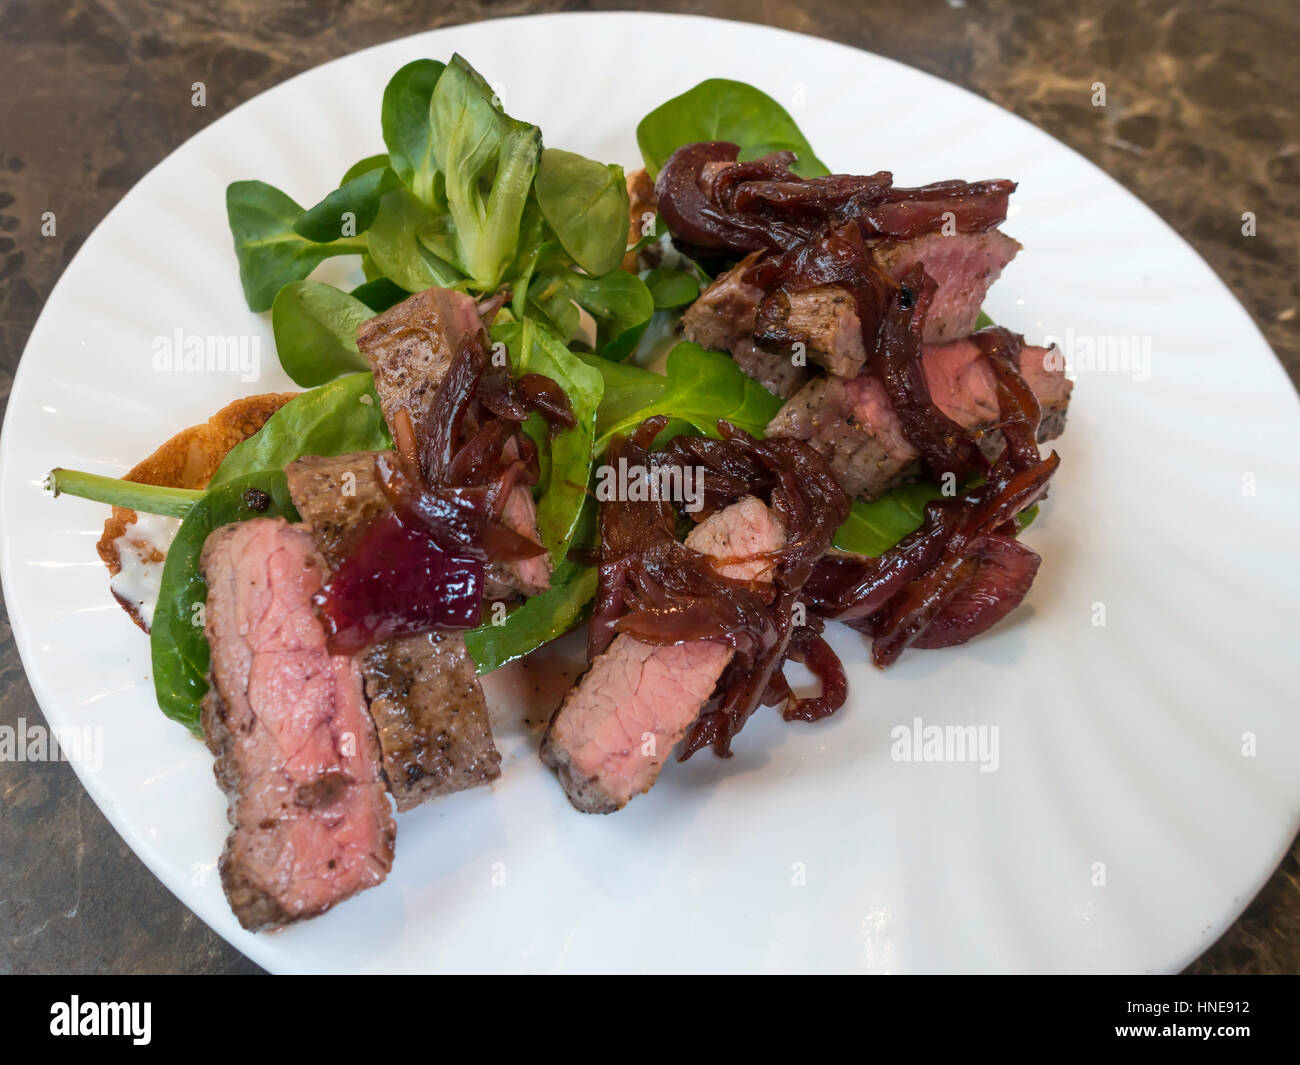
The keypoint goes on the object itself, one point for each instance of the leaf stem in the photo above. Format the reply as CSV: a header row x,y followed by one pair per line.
x,y
152,499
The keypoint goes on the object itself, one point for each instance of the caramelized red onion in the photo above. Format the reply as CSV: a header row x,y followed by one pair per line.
x,y
714,206
896,597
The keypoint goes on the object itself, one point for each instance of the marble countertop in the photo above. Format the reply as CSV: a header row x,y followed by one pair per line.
x,y
1201,123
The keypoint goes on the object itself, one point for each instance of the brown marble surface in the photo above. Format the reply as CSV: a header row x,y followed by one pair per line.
x,y
1201,123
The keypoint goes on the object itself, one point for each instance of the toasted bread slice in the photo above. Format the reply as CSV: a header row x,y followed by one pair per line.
x,y
187,460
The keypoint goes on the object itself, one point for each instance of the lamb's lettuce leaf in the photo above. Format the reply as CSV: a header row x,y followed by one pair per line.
x,y
270,251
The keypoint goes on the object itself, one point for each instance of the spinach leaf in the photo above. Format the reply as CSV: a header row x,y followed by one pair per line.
x,y
488,160
542,618
983,321
534,349
408,127
672,288
628,389
348,210
316,332
171,502
396,247
722,110
586,204
333,419
177,644
701,387
380,294
621,304
270,252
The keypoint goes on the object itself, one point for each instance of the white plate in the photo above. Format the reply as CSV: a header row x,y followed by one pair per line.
x,y
1120,745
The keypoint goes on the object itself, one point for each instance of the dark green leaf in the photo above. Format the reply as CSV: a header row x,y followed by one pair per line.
x,y
270,252
178,646
873,528
722,110
544,617
380,294
672,288
316,332
348,210
628,390
586,204
333,419
621,305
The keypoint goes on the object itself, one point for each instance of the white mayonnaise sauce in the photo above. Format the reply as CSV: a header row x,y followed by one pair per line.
x,y
141,550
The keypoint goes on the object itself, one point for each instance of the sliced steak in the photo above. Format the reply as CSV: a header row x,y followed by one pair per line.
x,y
425,698
612,734
409,347
432,718
851,422
411,344
963,266
295,748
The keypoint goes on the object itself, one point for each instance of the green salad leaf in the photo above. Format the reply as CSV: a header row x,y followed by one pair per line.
x,y
545,617
177,644
873,528
334,419
586,204
723,110
270,251
672,288
408,129
563,489
397,247
701,386
488,160
316,332
380,294
349,209
361,166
